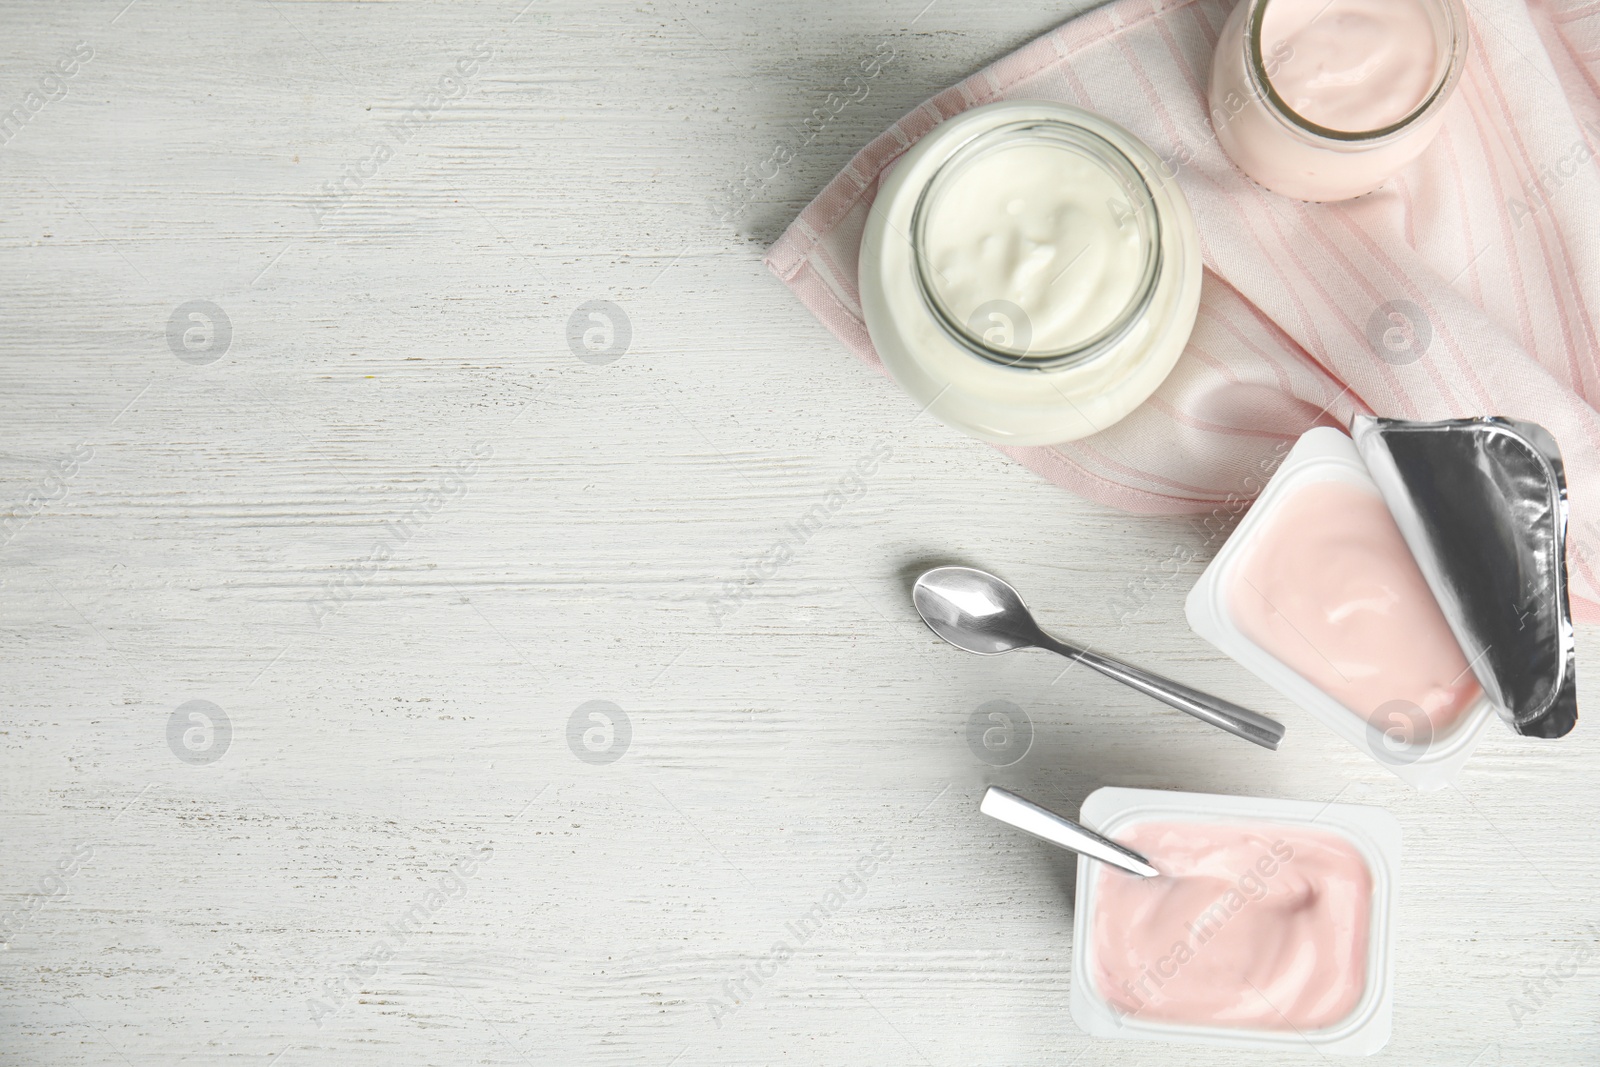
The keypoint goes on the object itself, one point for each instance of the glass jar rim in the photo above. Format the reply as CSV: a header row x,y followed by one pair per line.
x,y
1455,17
1099,150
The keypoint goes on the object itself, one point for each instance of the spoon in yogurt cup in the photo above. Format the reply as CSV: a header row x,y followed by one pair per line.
x,y
980,613
1030,818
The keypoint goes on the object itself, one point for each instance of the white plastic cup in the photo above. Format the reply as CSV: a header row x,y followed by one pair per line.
x,y
1425,762
1372,831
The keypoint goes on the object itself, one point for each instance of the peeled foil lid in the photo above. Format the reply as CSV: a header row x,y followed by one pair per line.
x,y
1482,504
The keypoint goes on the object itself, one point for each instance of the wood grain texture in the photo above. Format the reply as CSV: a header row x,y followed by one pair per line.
x,y
399,533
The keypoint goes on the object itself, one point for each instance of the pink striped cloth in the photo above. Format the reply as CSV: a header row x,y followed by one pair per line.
x,y
1490,243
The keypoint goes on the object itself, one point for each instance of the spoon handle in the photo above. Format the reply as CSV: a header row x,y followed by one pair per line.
x,y
1241,722
1042,823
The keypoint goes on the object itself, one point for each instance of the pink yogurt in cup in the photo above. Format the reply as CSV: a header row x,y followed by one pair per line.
x,y
1317,593
1260,926
1270,926
1331,590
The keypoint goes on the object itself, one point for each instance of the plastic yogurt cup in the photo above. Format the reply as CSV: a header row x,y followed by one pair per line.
x,y
1271,925
1027,275
1328,99
1317,594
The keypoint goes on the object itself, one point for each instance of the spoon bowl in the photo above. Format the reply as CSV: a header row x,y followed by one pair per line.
x,y
974,611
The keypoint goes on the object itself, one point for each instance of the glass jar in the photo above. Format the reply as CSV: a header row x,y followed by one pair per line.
x,y
1295,156
1027,274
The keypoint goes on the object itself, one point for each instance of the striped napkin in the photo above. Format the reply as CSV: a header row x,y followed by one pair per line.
x,y
1468,285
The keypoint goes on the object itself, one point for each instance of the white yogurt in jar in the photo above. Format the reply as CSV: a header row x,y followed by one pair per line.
x,y
1042,228
1028,275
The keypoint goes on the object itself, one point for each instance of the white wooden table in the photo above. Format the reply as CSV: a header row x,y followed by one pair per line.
x,y
397,535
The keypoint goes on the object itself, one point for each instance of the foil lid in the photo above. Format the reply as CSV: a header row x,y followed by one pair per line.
x,y
1482,504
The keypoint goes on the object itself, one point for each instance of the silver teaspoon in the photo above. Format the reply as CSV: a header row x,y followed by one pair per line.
x,y
1045,824
978,612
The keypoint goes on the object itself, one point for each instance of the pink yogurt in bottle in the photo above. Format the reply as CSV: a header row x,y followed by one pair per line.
x,y
1327,99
